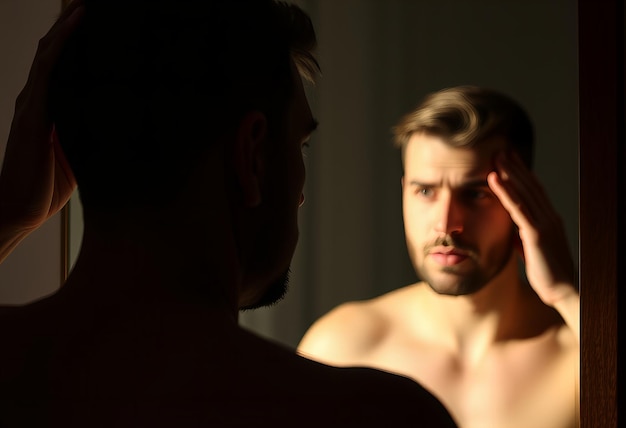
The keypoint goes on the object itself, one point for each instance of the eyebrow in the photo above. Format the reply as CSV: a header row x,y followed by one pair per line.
x,y
479,182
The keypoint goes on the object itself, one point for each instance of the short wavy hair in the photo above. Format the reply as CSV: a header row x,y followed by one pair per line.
x,y
464,116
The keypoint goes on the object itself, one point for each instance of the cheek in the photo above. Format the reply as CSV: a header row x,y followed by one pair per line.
x,y
301,170
290,176
492,228
417,214
415,226
298,176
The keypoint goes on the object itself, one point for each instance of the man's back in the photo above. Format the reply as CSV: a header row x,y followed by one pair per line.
x,y
528,380
190,171
129,364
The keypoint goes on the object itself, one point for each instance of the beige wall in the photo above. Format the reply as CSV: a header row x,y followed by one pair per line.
x,y
34,268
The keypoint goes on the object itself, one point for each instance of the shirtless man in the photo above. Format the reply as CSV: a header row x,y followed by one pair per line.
x,y
496,351
183,124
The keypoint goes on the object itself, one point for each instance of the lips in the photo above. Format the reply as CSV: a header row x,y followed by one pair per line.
x,y
448,256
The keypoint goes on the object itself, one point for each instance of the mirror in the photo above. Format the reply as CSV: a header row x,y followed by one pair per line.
x,y
378,60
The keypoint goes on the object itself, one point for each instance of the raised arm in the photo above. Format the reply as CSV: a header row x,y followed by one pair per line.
x,y
35,181
549,265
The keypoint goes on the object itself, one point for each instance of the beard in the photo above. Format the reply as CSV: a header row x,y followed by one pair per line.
x,y
274,293
461,281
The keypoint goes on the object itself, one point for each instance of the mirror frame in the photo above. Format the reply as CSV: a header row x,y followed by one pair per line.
x,y
601,204
602,194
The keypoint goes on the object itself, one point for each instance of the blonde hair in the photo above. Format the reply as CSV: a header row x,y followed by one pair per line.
x,y
464,116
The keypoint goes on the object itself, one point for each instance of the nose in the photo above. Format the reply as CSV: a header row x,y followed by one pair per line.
x,y
301,200
450,216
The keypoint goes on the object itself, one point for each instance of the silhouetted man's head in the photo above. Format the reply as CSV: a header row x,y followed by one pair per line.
x,y
145,92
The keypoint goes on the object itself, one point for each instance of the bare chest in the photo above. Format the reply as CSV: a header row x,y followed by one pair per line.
x,y
516,385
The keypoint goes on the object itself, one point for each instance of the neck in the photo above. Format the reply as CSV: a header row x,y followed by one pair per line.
x,y
160,263
505,309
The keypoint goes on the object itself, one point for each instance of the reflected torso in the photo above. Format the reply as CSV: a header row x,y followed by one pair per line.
x,y
516,383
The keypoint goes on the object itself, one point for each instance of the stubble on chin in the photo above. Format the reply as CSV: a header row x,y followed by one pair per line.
x,y
453,280
452,283
273,294
460,281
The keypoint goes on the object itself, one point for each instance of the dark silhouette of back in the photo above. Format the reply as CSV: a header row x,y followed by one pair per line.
x,y
183,123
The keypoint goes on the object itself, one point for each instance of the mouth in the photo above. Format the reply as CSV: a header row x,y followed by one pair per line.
x,y
448,256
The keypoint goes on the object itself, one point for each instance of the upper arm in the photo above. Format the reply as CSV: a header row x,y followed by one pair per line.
x,y
344,336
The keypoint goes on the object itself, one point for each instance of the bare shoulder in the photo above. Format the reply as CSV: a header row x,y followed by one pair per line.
x,y
351,330
20,349
565,348
15,326
569,350
321,395
385,399
18,327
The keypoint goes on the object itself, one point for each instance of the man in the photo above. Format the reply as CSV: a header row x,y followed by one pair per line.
x,y
183,123
496,351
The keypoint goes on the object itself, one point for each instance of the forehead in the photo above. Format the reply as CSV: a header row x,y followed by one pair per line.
x,y
430,153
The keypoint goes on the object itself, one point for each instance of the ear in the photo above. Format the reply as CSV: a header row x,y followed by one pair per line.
x,y
248,156
402,182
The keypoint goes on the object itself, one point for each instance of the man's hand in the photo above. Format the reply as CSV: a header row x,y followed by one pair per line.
x,y
35,182
549,265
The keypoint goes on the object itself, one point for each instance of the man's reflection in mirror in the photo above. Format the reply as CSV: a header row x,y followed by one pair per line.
x,y
498,348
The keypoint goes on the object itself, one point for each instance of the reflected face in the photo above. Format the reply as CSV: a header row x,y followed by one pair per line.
x,y
283,195
459,235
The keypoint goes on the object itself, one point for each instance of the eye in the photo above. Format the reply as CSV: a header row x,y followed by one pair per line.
x,y
476,195
425,192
